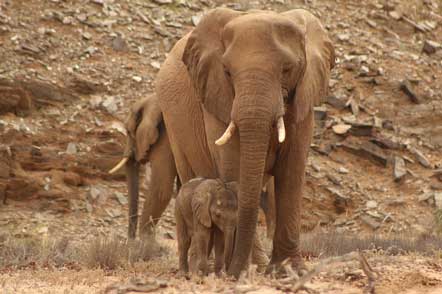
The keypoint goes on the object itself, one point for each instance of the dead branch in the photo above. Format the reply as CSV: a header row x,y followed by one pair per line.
x,y
136,285
436,16
246,288
310,274
414,24
294,284
370,273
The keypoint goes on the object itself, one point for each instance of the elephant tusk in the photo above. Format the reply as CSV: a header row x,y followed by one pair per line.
x,y
281,130
227,134
119,165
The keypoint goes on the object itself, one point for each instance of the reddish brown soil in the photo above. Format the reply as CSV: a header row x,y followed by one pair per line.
x,y
69,70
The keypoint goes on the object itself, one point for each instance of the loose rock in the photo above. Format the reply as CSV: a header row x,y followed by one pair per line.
x,y
420,157
121,198
341,129
368,220
407,88
71,149
399,169
430,47
369,151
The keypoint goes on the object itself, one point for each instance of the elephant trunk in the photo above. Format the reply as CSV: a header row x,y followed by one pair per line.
x,y
132,175
254,115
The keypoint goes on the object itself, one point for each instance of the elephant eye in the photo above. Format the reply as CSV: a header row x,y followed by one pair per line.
x,y
286,68
226,71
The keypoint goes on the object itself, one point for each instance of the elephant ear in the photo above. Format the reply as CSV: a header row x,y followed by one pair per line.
x,y
201,201
312,87
203,59
142,126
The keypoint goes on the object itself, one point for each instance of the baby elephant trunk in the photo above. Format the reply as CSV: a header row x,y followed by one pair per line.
x,y
229,239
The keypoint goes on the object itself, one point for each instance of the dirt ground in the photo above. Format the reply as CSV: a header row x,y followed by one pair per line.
x,y
69,70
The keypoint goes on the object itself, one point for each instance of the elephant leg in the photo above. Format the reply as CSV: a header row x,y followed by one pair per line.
x,y
161,184
193,257
184,240
289,181
201,237
219,250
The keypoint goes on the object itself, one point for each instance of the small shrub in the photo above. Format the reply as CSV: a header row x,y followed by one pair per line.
x,y
16,252
438,221
144,250
105,253
113,252
335,244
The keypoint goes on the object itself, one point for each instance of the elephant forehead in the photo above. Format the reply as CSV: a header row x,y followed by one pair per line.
x,y
262,35
249,28
261,23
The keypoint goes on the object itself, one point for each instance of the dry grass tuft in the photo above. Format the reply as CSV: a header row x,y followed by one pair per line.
x,y
438,221
107,253
336,244
18,253
144,250
112,253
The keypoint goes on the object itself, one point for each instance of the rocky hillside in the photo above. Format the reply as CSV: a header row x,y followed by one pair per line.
x,y
69,71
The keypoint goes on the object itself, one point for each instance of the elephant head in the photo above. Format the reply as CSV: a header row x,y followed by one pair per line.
x,y
255,71
142,132
215,204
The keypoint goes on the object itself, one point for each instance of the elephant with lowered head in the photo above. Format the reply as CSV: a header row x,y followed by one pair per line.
x,y
237,96
147,140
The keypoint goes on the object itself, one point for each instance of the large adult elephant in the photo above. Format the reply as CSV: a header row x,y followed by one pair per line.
x,y
237,96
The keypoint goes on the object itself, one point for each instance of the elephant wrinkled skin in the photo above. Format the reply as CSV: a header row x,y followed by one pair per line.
x,y
248,81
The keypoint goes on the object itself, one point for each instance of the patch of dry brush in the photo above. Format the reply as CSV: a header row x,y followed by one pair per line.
x,y
337,244
107,253
113,252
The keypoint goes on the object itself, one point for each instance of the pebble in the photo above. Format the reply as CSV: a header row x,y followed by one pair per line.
x,y
71,149
371,204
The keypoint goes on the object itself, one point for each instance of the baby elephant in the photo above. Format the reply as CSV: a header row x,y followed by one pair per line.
x,y
205,211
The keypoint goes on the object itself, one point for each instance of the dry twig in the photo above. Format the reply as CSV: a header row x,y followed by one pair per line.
x,y
136,285
307,277
370,273
293,283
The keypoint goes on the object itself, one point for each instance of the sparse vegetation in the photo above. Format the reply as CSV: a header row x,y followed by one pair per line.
x,y
438,221
114,252
111,253
335,244
18,253
106,253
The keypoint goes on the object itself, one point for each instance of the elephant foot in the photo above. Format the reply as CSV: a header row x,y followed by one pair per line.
x,y
289,267
220,274
259,256
181,274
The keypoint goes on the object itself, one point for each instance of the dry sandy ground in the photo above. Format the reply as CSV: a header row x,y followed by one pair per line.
x,y
98,52
395,274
